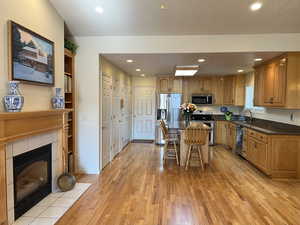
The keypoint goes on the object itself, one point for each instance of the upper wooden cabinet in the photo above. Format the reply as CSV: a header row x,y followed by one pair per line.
x,y
169,84
205,85
218,90
226,90
277,82
234,90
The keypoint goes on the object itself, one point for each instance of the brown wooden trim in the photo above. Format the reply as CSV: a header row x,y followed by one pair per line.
x,y
142,141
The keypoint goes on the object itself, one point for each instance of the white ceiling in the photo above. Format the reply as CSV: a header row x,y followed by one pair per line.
x,y
164,64
181,17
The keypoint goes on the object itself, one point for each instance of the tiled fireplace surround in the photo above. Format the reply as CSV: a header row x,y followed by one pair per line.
x,y
25,145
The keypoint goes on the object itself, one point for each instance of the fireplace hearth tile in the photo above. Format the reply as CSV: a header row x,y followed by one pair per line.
x,y
44,221
24,220
64,202
54,212
48,201
48,215
73,194
57,194
35,211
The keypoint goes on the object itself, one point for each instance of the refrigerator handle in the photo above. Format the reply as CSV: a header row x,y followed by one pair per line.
x,y
168,108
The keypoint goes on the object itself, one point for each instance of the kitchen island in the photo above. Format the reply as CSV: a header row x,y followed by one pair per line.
x,y
206,149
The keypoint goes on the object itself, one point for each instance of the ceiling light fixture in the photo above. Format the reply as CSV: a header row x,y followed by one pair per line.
x,y
201,60
138,70
186,70
162,6
258,59
240,71
256,6
99,9
129,60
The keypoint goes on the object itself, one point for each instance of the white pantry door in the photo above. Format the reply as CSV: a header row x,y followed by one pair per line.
x,y
106,120
144,113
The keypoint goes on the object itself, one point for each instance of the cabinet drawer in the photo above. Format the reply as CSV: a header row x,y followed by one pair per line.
x,y
262,137
257,135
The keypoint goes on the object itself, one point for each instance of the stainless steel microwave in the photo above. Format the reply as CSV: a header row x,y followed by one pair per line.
x,y
202,99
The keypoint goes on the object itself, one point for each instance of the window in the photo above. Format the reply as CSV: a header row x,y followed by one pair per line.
x,y
250,100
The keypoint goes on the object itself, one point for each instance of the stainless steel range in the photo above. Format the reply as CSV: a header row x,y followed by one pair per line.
x,y
207,119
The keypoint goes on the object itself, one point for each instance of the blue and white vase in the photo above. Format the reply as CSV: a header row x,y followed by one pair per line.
x,y
58,101
14,101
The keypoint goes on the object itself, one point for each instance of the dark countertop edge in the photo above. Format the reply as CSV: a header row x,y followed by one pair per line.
x,y
265,131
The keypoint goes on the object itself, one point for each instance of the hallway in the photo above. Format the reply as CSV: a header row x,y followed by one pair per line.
x,y
135,189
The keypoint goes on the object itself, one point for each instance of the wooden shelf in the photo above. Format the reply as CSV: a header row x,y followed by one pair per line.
x,y
68,74
69,79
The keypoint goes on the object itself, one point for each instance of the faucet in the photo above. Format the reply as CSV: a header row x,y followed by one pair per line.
x,y
251,114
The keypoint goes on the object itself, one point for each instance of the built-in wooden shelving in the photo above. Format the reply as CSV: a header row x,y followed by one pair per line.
x,y
69,87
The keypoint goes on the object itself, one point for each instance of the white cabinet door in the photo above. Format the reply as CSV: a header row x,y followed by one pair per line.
x,y
106,119
115,126
144,113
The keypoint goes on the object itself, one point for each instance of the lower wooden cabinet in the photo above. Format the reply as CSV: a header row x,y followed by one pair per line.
x,y
275,155
226,134
257,154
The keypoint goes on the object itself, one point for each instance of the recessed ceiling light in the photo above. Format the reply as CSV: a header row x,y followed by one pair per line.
x,y
129,60
162,6
240,71
258,59
142,75
256,6
201,60
138,70
99,9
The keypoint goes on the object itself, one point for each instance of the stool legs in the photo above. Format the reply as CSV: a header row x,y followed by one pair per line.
x,y
189,153
199,148
166,149
176,152
188,157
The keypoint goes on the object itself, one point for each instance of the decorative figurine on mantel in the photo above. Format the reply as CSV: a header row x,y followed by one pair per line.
x,y
14,101
58,101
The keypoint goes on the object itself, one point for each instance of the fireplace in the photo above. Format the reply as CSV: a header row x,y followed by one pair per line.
x,y
32,178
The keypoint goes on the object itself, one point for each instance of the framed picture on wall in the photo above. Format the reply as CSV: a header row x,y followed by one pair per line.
x,y
31,56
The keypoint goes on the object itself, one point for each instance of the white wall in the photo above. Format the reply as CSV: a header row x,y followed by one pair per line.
x,y
42,18
87,70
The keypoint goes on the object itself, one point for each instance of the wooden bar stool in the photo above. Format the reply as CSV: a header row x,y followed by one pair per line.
x,y
195,138
170,143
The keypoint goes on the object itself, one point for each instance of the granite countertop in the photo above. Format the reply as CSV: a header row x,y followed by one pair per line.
x,y
270,127
264,126
181,125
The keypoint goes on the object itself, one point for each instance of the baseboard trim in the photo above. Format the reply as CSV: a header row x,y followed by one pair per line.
x,y
142,141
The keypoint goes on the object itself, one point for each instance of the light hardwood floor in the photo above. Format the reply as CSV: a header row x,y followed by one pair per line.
x,y
137,190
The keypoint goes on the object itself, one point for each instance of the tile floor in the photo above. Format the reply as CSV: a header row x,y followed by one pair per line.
x,y
51,208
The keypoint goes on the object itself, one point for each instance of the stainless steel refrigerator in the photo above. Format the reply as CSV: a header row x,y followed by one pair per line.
x,y
167,108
